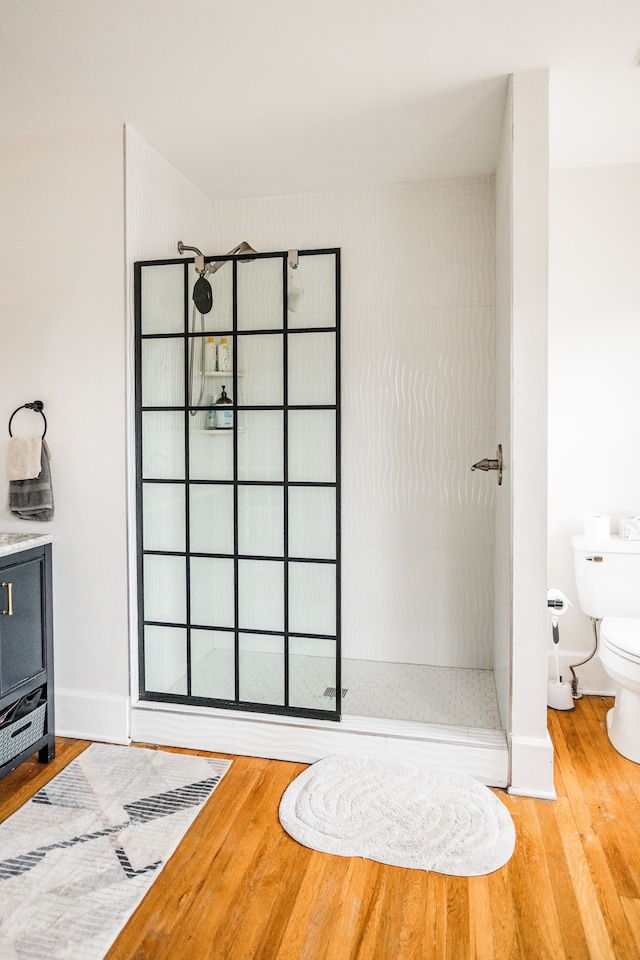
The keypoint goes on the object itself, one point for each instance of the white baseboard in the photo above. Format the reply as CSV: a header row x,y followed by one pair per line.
x,y
532,767
592,677
481,754
86,715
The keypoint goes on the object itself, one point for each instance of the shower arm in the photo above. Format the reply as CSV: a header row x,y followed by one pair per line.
x,y
208,269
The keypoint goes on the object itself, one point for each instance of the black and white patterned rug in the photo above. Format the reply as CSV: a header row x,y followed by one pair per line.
x,y
77,859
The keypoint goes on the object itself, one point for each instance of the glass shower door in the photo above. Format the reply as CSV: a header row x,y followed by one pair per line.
x,y
238,519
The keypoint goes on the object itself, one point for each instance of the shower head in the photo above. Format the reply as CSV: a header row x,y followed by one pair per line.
x,y
243,247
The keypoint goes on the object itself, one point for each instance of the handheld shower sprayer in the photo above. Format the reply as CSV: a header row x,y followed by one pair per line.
x,y
202,297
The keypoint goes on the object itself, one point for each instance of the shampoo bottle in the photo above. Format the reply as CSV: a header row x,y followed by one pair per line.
x,y
224,413
210,356
224,356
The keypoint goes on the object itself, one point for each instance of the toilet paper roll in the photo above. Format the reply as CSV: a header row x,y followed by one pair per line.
x,y
557,602
597,528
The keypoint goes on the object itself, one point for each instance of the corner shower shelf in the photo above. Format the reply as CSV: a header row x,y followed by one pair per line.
x,y
222,430
223,373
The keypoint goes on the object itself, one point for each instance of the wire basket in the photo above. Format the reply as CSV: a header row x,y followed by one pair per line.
x,y
17,736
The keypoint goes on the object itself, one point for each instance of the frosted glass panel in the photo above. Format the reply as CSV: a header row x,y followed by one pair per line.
x,y
312,369
162,298
212,664
211,518
260,294
220,317
312,522
260,357
312,598
261,668
312,292
163,373
312,446
163,445
164,589
260,595
210,451
165,659
163,516
261,521
312,668
260,445
212,592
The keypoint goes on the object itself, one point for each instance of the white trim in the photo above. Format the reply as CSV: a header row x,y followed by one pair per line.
x,y
479,753
532,768
88,715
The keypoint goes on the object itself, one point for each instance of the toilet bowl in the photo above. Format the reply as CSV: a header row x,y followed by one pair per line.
x,y
620,657
608,581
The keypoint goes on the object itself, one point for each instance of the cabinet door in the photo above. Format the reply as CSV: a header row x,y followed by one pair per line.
x,y
22,654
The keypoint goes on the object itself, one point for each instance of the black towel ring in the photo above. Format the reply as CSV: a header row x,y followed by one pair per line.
x,y
37,405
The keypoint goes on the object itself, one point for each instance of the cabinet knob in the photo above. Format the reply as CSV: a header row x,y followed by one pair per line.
x,y
9,611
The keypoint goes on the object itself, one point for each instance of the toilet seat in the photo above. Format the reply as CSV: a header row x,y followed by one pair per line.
x,y
621,635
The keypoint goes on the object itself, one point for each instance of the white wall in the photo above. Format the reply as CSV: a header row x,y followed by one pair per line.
x,y
594,387
503,580
531,751
62,308
418,404
162,207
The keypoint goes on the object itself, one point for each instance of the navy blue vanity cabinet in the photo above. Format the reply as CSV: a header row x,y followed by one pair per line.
x,y
26,658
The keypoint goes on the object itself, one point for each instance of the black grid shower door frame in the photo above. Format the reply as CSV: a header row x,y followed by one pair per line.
x,y
186,335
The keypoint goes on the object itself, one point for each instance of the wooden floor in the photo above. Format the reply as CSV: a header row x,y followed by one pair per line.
x,y
239,888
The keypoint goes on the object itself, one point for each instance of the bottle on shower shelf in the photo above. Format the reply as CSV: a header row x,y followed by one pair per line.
x,y
223,412
224,356
210,356
211,421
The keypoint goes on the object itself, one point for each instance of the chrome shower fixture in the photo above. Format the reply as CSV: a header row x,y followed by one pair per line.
x,y
208,269
199,260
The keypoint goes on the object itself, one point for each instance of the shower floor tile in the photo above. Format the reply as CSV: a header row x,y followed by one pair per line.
x,y
393,691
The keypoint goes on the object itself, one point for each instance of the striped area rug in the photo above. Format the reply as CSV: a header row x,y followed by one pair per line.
x,y
77,859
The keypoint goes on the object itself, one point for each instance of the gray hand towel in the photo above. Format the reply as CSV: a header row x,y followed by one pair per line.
x,y
33,499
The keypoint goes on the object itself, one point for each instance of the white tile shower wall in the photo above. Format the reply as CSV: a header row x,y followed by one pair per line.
x,y
417,405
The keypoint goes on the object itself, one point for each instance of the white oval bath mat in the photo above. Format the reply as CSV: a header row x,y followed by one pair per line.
x,y
394,813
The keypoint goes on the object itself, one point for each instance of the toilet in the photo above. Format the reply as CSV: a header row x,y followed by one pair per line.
x,y
608,582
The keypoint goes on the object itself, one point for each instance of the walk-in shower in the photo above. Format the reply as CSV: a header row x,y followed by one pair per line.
x,y
228,521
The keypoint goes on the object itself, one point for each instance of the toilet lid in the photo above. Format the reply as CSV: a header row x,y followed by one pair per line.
x,y
622,634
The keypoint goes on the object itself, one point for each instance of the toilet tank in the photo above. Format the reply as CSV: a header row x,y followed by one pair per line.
x,y
607,576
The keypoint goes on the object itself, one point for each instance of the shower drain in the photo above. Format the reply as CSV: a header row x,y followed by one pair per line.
x,y
331,692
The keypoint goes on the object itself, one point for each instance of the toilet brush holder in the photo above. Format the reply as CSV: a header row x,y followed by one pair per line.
x,y
559,695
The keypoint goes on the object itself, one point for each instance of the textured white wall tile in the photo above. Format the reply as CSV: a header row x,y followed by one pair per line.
x,y
465,251
389,487
388,369
390,611
464,611
405,247
464,500
463,366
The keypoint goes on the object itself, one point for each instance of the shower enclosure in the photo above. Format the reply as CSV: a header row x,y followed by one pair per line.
x,y
238,501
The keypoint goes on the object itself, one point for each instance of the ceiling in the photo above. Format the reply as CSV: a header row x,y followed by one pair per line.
x,y
258,97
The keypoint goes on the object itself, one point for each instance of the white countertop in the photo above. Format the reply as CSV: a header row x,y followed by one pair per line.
x,y
16,542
